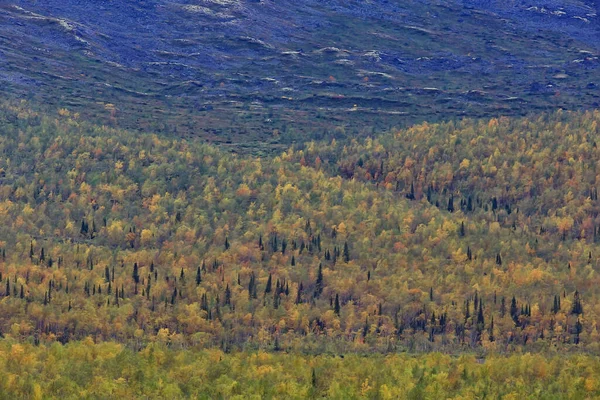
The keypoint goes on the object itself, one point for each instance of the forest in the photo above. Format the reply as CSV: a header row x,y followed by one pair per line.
x,y
442,260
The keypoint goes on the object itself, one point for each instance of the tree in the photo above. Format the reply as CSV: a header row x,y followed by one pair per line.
x,y
252,287
268,287
227,296
577,307
514,310
299,294
84,228
480,317
319,282
556,304
136,275
174,296
198,276
411,194
346,252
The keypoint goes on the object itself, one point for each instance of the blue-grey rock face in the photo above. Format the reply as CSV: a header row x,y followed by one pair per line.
x,y
287,61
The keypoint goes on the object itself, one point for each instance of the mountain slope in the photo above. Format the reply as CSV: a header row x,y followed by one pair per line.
x,y
246,72
120,236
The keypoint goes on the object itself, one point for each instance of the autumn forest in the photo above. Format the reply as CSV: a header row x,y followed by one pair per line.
x,y
462,256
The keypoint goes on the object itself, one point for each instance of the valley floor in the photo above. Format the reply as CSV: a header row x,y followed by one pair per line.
x,y
85,370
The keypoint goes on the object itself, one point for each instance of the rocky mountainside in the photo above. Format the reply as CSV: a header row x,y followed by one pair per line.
x,y
252,73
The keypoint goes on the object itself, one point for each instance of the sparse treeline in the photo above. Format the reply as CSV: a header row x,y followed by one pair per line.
x,y
124,237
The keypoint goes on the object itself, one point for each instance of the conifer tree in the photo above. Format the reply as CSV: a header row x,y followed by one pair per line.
x,y
514,310
299,294
136,275
319,282
577,307
346,252
227,296
480,317
268,288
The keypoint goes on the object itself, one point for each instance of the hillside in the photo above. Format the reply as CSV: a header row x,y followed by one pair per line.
x,y
119,236
140,248
264,74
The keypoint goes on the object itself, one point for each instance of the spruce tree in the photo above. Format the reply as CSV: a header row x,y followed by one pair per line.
x,y
346,252
299,294
577,307
198,276
480,317
514,310
251,286
136,275
268,288
227,296
319,282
